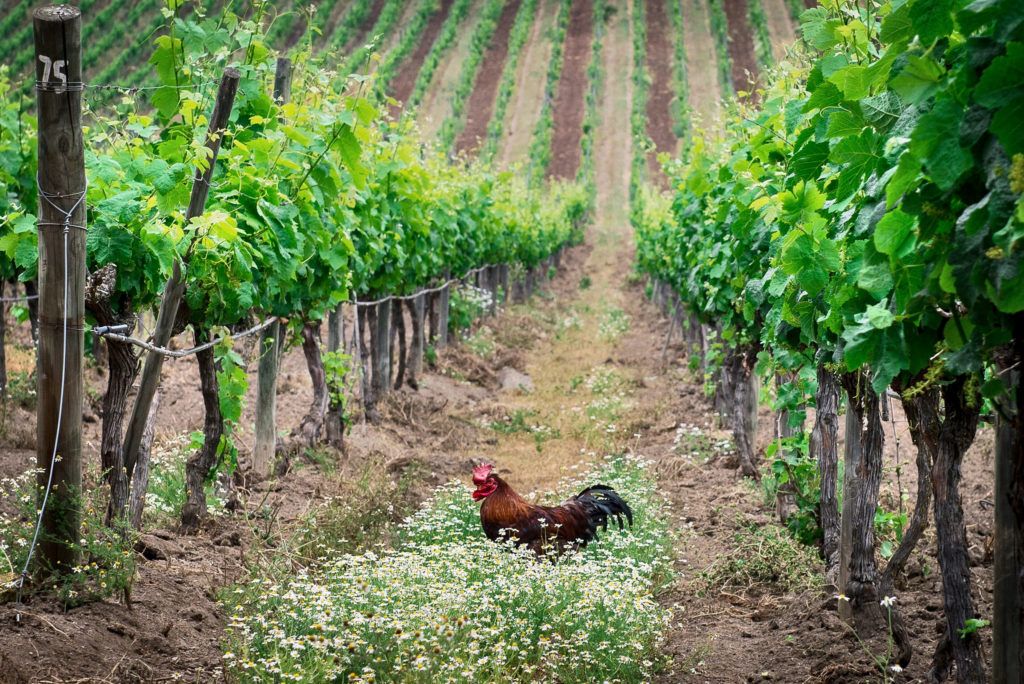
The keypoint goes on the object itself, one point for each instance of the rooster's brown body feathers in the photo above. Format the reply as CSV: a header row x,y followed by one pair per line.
x,y
551,528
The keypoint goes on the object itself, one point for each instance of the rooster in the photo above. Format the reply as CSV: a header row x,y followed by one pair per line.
x,y
545,528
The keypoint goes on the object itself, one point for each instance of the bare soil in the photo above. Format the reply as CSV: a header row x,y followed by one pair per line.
x,y
528,96
437,102
570,98
660,94
741,46
405,80
481,101
780,27
705,93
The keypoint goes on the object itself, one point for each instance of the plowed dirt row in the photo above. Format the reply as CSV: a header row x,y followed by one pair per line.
x,y
780,27
364,28
481,102
437,103
661,94
571,94
528,96
701,69
405,81
741,46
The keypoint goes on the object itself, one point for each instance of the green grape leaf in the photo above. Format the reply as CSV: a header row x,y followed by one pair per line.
x,y
918,80
852,81
875,278
1008,125
1003,80
893,231
818,29
931,19
935,140
906,178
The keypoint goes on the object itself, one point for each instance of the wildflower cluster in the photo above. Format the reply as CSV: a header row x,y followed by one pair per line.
x,y
447,605
166,494
467,304
614,324
694,442
106,557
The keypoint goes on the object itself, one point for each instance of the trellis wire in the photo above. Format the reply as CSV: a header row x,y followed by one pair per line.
x,y
424,291
181,353
79,86
67,226
108,333
23,298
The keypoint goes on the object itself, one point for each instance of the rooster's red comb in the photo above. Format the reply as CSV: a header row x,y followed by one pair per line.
x,y
482,472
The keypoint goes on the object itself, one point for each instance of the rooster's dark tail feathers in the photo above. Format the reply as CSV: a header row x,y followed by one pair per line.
x,y
601,503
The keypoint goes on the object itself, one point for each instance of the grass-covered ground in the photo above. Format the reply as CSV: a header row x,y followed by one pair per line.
x,y
447,605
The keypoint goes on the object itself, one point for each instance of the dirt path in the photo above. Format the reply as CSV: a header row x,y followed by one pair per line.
x,y
481,101
661,92
527,97
405,80
705,94
437,103
741,46
570,97
780,27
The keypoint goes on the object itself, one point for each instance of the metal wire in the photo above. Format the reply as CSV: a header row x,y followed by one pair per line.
x,y
181,353
424,291
49,197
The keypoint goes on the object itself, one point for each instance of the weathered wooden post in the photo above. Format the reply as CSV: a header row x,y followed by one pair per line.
x,y
175,287
1008,589
503,283
58,45
270,343
443,302
382,350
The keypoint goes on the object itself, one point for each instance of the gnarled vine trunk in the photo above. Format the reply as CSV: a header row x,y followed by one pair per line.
x,y
955,434
123,369
398,331
3,336
202,462
740,391
311,428
921,409
415,363
862,478
824,448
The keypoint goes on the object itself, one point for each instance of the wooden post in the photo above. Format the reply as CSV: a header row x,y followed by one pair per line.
x,y
175,287
503,283
443,300
382,351
492,285
283,80
58,45
266,400
1008,600
271,343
